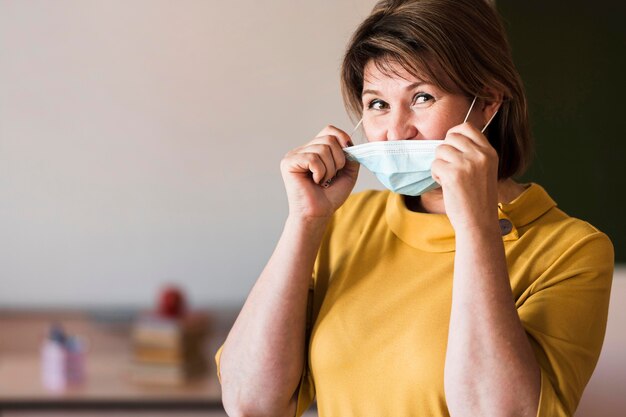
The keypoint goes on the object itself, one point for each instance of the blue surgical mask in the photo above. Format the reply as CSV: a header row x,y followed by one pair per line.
x,y
402,166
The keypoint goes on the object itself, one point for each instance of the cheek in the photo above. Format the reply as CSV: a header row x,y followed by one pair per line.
x,y
373,129
435,126
443,116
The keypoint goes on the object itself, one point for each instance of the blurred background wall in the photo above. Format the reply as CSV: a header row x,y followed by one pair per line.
x,y
140,140
572,59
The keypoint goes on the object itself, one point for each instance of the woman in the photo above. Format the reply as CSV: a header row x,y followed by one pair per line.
x,y
464,292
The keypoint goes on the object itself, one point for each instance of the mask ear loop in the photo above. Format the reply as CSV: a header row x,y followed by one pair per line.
x,y
355,128
470,110
489,121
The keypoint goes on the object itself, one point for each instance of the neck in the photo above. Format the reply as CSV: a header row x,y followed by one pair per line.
x,y
432,201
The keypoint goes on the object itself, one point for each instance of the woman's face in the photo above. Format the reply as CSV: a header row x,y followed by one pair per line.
x,y
403,107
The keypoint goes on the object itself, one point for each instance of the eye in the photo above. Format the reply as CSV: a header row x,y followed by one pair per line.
x,y
377,105
421,98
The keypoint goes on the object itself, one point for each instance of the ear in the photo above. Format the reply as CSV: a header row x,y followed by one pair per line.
x,y
490,104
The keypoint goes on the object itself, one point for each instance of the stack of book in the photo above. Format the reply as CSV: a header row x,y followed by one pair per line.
x,y
167,350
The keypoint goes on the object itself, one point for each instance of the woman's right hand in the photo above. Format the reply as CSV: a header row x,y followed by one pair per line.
x,y
317,176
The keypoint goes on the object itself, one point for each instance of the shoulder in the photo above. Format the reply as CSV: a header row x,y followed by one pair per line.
x,y
573,233
579,237
538,214
565,245
360,213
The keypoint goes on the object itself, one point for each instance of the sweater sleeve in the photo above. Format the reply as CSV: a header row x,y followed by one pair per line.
x,y
217,363
565,318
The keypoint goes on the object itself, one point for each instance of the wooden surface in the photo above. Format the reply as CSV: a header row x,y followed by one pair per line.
x,y
108,389
107,380
311,413
107,364
118,413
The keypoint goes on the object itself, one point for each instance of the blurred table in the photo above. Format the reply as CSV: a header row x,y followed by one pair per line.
x,y
108,386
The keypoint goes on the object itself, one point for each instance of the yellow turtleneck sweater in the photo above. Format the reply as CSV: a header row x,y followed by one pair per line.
x,y
380,304
381,298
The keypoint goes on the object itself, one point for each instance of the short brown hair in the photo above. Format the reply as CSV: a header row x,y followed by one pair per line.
x,y
458,45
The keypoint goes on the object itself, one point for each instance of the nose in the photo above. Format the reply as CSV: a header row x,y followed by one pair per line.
x,y
401,125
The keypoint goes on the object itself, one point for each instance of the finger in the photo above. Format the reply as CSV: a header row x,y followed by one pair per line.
x,y
313,163
449,154
474,144
342,137
468,130
326,156
304,163
437,168
335,147
460,142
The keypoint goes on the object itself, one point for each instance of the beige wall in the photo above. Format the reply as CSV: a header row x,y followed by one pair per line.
x,y
605,395
140,140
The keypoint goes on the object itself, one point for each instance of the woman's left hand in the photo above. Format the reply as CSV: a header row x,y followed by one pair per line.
x,y
466,167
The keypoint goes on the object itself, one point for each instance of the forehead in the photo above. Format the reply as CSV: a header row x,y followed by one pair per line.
x,y
387,73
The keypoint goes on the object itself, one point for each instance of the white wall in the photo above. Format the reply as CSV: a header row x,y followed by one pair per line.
x,y
140,140
604,395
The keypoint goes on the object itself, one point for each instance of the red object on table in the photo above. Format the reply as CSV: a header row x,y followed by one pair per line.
x,y
171,302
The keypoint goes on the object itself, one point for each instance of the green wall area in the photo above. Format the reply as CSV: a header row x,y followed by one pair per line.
x,y
571,56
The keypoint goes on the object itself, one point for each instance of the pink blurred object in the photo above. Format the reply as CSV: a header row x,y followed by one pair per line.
x,y
62,360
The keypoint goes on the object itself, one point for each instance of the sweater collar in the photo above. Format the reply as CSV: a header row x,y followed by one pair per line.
x,y
434,232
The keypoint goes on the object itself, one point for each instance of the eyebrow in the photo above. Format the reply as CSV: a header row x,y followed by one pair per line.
x,y
409,87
